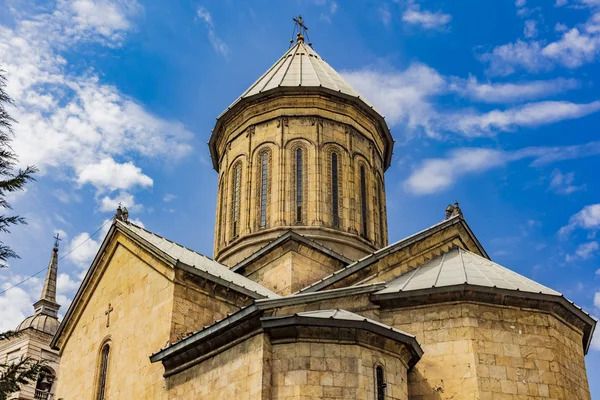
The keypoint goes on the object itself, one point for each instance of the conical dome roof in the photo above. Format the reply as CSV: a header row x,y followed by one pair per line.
x,y
301,66
301,69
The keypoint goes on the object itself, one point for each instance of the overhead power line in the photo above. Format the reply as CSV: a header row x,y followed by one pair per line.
x,y
44,269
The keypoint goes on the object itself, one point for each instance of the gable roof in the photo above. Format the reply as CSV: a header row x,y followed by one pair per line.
x,y
460,266
178,257
290,235
392,248
200,264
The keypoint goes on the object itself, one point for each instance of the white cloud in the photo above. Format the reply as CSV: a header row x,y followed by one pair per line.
x,y
68,121
83,247
216,42
103,17
584,251
426,19
588,218
169,197
434,175
438,174
15,305
560,27
575,47
108,204
595,345
489,92
563,183
472,123
407,97
597,300
108,174
530,30
402,96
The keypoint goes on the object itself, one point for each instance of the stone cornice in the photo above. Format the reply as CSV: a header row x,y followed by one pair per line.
x,y
556,305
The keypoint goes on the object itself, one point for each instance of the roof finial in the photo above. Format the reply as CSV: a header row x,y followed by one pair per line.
x,y
47,304
56,240
302,30
453,210
122,214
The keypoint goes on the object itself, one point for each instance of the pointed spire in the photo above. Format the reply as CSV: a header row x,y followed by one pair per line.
x,y
47,303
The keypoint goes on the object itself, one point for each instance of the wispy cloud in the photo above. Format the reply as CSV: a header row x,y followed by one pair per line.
x,y
489,92
576,47
205,16
408,97
530,30
588,218
563,183
438,174
584,251
426,19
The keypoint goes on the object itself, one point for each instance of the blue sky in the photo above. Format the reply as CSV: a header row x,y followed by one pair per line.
x,y
493,104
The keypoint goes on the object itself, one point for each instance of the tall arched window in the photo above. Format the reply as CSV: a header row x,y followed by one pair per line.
x,y
222,207
380,383
102,376
237,172
363,200
264,160
335,190
381,216
299,182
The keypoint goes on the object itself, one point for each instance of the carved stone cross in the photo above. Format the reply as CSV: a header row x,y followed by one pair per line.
x,y
107,313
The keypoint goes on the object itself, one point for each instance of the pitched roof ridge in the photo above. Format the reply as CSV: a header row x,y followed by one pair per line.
x,y
375,256
174,242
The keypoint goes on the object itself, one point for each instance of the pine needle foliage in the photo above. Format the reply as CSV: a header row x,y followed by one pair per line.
x,y
11,180
17,373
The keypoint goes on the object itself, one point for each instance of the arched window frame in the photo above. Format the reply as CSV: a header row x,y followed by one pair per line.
x,y
236,194
263,187
103,369
222,208
300,186
335,155
381,209
363,181
380,384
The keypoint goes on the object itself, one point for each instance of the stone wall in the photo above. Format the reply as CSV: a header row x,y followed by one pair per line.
x,y
291,267
196,305
527,353
319,133
140,291
237,373
476,351
304,370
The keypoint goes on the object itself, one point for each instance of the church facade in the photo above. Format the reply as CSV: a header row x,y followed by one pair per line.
x,y
305,298
31,339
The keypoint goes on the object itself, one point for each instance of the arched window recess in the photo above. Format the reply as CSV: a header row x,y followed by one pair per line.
x,y
103,372
380,384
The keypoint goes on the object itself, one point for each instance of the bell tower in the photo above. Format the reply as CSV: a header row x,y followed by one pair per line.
x,y
300,150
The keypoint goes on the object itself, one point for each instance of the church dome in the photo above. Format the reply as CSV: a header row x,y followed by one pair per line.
x,y
40,322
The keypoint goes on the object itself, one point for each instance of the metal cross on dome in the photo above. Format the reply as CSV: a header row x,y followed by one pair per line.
x,y
301,28
56,240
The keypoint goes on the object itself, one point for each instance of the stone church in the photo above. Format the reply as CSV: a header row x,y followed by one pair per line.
x,y
305,298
